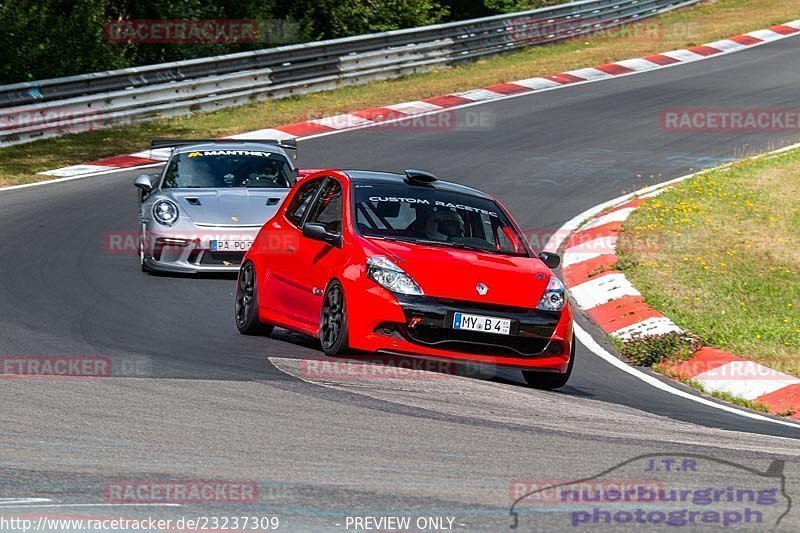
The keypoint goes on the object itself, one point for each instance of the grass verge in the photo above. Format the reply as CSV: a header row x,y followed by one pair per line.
x,y
728,264
687,27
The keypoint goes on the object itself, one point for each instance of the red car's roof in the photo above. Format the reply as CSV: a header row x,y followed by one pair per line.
x,y
374,177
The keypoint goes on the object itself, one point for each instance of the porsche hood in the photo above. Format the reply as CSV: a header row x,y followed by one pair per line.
x,y
228,207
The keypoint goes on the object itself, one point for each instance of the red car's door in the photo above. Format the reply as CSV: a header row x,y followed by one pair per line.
x,y
318,261
282,285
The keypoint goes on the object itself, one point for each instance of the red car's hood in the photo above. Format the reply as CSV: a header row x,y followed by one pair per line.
x,y
453,273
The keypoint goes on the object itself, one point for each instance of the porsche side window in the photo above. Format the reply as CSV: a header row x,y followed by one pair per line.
x,y
171,175
301,200
328,209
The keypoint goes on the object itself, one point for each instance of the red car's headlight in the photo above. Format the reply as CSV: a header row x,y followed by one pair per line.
x,y
555,297
388,275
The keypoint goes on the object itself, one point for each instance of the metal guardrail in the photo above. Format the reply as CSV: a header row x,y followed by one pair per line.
x,y
34,110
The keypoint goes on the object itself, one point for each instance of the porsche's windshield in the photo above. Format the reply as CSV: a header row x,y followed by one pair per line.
x,y
220,169
435,217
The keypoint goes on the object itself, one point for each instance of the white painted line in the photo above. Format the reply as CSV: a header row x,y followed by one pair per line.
x,y
684,56
479,95
620,215
21,501
746,379
638,64
726,45
537,83
749,389
268,133
571,258
646,328
75,170
602,289
590,249
586,339
589,73
72,178
766,35
414,108
159,154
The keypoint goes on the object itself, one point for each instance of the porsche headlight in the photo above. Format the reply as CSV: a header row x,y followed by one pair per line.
x,y
555,297
390,276
165,212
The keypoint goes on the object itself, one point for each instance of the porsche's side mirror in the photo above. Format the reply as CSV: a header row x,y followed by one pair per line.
x,y
144,182
550,259
318,232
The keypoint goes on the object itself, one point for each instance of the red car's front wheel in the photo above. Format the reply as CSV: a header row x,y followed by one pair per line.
x,y
550,380
333,322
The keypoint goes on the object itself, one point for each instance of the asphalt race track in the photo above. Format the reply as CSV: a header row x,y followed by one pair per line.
x,y
203,402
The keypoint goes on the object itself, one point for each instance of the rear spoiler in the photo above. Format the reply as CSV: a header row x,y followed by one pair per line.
x,y
286,144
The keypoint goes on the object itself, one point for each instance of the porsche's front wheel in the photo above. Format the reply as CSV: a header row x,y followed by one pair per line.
x,y
550,380
333,322
247,321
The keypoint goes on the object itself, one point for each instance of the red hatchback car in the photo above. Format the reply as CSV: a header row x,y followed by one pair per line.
x,y
407,265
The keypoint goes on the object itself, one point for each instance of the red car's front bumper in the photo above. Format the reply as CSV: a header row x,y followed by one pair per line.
x,y
421,326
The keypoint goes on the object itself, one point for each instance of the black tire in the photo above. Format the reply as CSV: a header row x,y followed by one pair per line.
x,y
550,380
333,320
246,304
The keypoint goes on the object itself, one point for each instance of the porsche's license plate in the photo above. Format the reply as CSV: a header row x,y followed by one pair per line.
x,y
486,324
230,246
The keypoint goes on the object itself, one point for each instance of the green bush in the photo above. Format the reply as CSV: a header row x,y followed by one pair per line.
x,y
654,349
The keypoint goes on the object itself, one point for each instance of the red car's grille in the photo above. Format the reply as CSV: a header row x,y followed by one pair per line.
x,y
477,342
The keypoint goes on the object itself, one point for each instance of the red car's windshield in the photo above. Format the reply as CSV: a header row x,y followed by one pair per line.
x,y
435,216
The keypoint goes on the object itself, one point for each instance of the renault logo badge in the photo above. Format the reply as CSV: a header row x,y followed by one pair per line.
x,y
482,289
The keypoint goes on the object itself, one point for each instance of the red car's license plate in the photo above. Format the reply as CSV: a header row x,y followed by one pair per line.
x,y
486,324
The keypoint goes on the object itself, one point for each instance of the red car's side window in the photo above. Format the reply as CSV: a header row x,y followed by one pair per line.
x,y
328,208
301,200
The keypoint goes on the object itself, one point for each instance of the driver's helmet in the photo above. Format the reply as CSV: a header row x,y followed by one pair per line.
x,y
443,225
268,173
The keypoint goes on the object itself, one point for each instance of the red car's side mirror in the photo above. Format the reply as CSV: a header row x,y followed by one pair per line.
x,y
318,232
550,259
